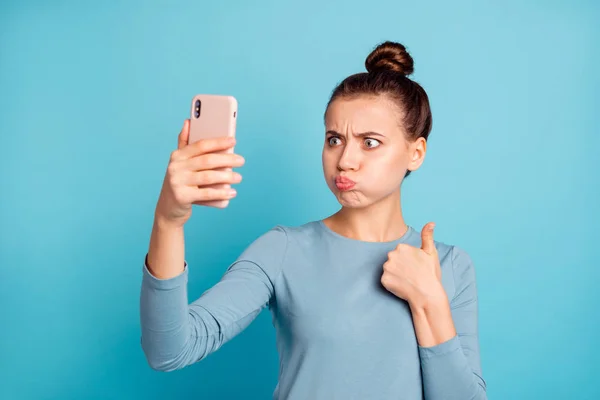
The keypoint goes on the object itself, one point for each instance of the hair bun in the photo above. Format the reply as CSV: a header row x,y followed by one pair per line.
x,y
390,56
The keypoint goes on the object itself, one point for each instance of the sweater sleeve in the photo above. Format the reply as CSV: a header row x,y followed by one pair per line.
x,y
175,334
452,370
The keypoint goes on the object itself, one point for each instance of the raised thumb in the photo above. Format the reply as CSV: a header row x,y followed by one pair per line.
x,y
427,238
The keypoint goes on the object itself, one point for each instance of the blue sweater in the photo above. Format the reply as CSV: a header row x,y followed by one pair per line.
x,y
340,334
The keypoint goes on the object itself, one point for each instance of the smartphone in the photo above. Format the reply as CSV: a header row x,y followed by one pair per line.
x,y
213,116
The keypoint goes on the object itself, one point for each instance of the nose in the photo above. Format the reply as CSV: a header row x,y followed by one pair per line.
x,y
348,159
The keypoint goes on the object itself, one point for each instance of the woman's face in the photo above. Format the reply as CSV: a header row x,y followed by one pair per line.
x,y
366,154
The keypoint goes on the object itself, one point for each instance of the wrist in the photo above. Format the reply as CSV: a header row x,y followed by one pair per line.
x,y
435,298
165,224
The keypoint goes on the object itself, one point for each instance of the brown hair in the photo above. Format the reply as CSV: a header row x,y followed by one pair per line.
x,y
388,67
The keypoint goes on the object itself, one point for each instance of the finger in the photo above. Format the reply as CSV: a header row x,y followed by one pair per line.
x,y
205,146
214,160
184,135
214,203
427,243
213,194
210,177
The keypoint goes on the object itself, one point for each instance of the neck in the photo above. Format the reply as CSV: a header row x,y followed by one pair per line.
x,y
379,222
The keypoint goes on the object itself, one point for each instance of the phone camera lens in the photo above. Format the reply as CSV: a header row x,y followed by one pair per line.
x,y
197,108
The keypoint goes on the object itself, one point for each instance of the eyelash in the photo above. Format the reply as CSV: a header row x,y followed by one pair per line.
x,y
365,139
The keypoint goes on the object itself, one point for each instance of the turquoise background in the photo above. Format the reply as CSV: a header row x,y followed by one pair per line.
x,y
93,95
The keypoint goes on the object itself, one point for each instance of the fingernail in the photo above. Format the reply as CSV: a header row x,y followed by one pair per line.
x,y
232,192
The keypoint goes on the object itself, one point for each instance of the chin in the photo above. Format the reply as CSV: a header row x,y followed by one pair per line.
x,y
355,199
354,205
351,198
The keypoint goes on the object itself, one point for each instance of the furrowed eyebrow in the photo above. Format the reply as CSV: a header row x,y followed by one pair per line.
x,y
363,134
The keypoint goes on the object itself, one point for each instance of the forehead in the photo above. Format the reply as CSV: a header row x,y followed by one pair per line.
x,y
364,113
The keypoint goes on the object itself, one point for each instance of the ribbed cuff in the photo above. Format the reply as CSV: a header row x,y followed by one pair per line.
x,y
164,284
446,347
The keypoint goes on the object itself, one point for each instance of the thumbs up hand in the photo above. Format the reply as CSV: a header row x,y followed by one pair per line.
x,y
414,274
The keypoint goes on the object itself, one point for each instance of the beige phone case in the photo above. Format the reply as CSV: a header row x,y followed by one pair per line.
x,y
217,116
213,116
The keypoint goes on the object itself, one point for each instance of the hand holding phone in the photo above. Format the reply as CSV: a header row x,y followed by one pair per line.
x,y
200,171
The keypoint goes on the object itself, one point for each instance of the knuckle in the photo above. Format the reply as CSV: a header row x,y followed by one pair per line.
x,y
181,178
201,195
389,266
210,159
385,280
174,155
171,168
201,178
178,177
200,163
195,163
202,146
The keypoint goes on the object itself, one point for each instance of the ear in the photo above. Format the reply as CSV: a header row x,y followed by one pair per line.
x,y
416,150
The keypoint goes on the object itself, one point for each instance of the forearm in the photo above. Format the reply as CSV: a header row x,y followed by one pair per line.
x,y
432,320
446,372
166,253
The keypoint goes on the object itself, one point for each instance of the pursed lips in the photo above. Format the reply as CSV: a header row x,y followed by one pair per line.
x,y
343,183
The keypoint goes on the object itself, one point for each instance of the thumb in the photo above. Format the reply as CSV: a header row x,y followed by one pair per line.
x,y
184,135
427,238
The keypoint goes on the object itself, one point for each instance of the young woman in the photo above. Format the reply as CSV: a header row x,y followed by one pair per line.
x,y
364,306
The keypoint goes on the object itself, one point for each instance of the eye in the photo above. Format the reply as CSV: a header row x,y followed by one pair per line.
x,y
332,140
372,143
